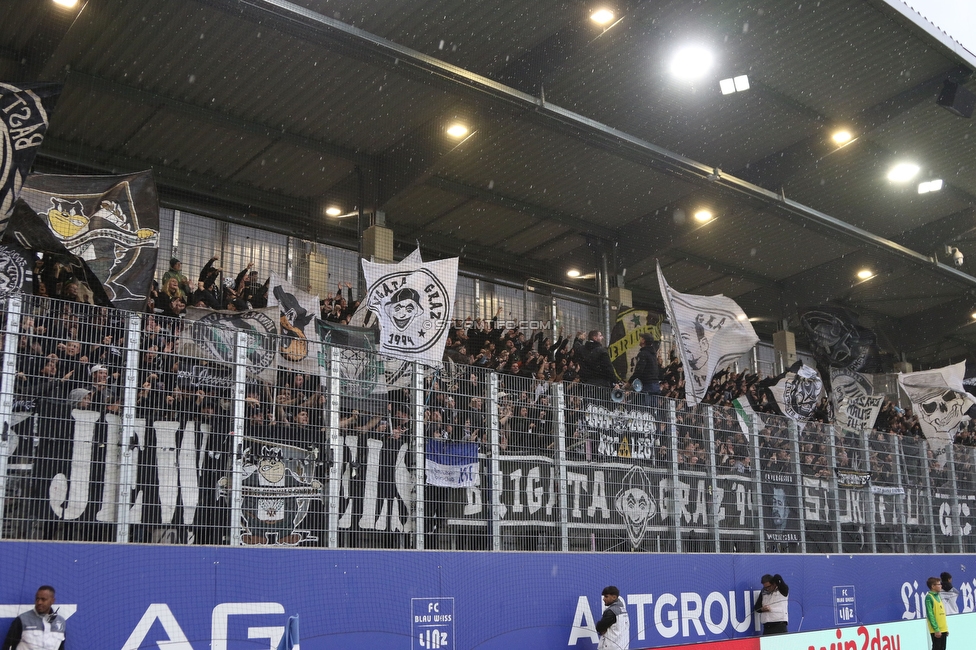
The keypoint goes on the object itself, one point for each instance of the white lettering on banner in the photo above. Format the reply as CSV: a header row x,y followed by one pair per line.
x,y
911,598
599,500
684,614
223,611
584,625
176,639
576,483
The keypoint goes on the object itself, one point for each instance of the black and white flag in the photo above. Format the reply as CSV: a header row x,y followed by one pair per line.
x,y
26,235
796,392
940,401
414,303
212,335
298,310
111,222
24,118
710,333
852,396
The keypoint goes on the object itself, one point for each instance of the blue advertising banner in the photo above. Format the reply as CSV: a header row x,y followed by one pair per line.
x,y
200,597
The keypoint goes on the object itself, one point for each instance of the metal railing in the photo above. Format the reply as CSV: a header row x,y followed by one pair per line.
x,y
121,427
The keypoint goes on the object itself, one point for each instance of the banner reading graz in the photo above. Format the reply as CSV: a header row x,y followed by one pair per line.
x,y
631,500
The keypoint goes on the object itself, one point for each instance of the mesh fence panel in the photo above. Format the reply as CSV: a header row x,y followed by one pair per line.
x,y
132,428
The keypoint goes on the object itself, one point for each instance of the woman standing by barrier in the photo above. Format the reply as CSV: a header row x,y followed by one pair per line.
x,y
772,605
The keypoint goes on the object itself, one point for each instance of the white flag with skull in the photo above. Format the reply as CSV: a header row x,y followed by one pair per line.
x,y
940,401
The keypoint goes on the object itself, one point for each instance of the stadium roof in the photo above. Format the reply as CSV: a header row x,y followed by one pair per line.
x,y
581,138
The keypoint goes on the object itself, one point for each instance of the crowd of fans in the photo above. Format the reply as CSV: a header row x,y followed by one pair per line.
x,y
73,355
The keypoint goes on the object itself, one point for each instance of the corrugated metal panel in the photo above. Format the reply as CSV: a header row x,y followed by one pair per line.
x,y
588,183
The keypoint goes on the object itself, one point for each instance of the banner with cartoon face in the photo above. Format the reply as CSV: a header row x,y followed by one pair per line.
x,y
710,333
296,322
110,222
212,335
796,392
414,304
940,401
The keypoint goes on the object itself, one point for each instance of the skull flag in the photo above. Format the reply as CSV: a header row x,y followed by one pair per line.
x,y
940,401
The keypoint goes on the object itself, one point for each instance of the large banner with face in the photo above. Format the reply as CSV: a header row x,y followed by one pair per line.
x,y
941,402
414,304
781,521
628,505
111,222
298,338
710,332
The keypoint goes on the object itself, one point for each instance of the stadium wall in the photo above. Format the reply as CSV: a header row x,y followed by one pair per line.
x,y
128,596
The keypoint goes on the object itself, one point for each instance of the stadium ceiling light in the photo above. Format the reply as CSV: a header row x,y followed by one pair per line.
x,y
68,4
573,273
973,315
930,186
333,211
842,136
691,62
457,130
902,172
734,84
865,274
602,16
703,216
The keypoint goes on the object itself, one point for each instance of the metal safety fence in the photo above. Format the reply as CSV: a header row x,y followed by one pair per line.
x,y
134,428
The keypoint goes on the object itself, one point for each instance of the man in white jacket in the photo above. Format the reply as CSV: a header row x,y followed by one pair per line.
x,y
614,627
950,595
773,605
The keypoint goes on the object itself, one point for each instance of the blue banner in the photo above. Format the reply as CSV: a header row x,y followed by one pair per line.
x,y
135,596
452,463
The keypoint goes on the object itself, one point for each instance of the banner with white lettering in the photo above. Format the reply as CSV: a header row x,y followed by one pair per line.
x,y
451,463
25,111
414,303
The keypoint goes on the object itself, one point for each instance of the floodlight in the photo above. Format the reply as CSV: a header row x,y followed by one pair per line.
x,y
902,172
691,62
602,16
842,137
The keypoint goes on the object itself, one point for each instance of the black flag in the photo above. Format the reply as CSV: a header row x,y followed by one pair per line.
x,y
111,222
25,236
24,117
